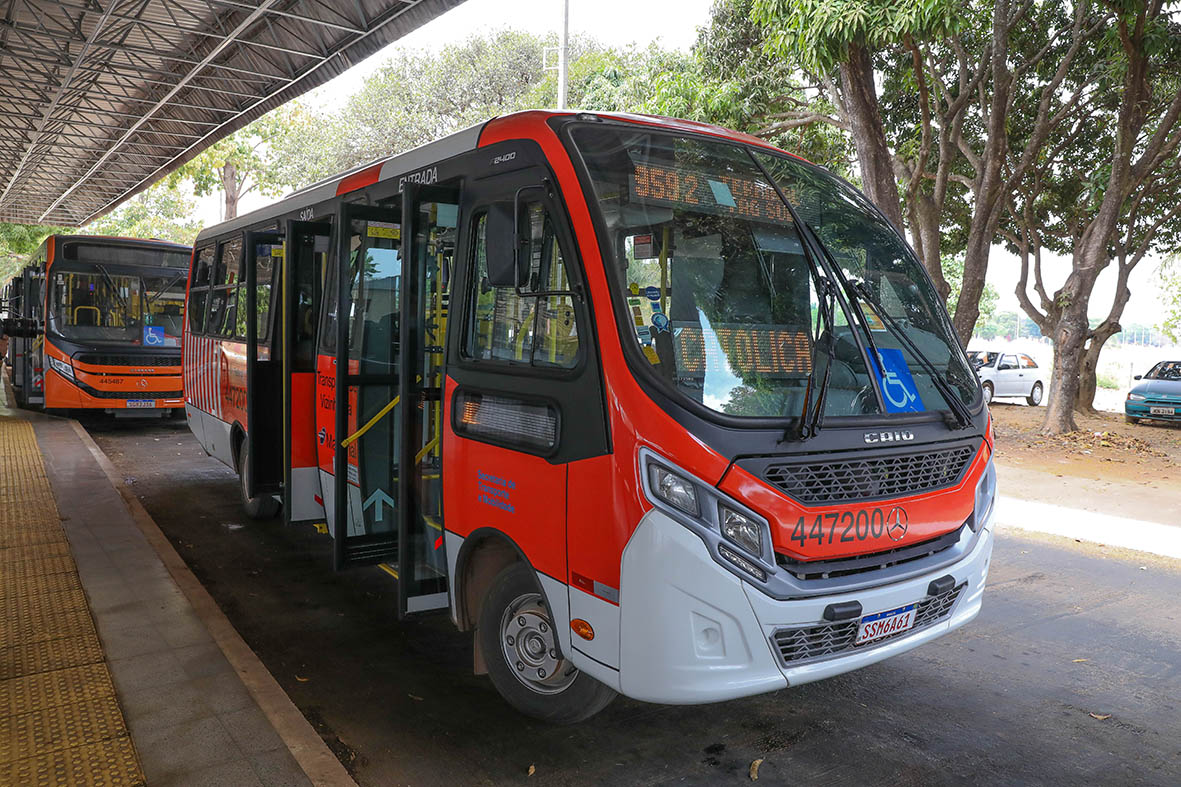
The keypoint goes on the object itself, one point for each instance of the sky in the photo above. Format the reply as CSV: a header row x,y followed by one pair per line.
x,y
674,24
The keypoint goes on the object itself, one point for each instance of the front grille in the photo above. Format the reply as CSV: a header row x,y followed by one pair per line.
x,y
98,394
894,475
862,564
138,361
809,643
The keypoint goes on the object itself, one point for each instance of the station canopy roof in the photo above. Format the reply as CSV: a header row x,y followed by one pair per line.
x,y
101,98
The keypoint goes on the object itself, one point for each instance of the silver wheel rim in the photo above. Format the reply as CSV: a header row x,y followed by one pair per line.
x,y
1036,395
988,394
530,649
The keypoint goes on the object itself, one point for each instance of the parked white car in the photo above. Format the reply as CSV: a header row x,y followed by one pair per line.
x,y
1008,374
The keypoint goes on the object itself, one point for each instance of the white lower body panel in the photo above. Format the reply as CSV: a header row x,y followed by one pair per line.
x,y
692,631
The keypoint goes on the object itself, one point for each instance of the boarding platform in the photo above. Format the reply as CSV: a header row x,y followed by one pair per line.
x,y
116,667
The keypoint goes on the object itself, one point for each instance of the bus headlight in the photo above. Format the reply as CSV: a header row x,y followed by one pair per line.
x,y
985,496
61,367
742,530
737,537
674,490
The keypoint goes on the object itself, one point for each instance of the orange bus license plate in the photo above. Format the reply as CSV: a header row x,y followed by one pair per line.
x,y
885,624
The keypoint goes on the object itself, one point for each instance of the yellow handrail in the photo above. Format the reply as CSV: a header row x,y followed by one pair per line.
x,y
345,443
98,314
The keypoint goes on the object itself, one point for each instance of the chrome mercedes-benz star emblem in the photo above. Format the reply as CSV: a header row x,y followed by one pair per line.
x,y
896,522
142,383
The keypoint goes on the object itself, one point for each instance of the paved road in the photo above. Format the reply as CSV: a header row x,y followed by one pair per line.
x,y
1066,631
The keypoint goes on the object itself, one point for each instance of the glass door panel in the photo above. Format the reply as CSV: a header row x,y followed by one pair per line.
x,y
429,219
367,495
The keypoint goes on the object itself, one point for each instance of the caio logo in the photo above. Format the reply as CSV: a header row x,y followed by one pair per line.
x,y
895,436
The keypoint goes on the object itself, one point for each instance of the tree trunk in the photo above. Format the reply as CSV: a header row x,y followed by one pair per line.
x,y
869,135
1088,376
928,239
1069,336
967,308
230,187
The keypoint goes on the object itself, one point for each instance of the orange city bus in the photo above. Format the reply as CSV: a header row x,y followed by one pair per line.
x,y
110,313
652,407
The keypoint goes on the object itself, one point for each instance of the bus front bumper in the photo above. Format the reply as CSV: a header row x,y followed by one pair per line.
x,y
693,632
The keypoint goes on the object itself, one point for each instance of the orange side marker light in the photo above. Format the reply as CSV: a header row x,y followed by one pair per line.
x,y
582,629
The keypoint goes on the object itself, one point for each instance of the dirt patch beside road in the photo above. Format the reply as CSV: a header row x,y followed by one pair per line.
x,y
1109,466
1104,447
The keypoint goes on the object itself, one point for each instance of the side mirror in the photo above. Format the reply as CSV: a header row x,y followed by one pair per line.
x,y
1137,377
500,244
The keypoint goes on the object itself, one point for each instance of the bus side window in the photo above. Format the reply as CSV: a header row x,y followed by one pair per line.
x,y
223,301
264,262
535,325
199,291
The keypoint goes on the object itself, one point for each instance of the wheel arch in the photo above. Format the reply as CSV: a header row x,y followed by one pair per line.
x,y
485,552
237,437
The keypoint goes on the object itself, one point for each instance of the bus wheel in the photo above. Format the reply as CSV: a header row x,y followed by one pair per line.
x,y
519,646
259,506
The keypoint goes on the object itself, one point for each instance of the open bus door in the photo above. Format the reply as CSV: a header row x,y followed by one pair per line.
x,y
32,367
394,269
264,460
301,291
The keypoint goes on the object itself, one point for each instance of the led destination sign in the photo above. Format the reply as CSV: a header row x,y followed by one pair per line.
x,y
764,350
714,192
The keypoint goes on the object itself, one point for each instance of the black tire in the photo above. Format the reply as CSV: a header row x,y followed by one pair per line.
x,y
260,506
1129,419
569,696
1035,394
989,391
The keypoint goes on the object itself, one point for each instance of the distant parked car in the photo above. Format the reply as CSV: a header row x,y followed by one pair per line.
x,y
1158,396
1005,375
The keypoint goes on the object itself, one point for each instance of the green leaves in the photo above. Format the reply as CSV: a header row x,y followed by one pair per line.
x,y
818,32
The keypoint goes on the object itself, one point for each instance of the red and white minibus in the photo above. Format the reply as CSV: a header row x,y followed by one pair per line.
x,y
651,406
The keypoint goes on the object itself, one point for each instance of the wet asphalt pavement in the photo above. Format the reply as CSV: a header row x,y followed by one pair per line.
x,y
1067,631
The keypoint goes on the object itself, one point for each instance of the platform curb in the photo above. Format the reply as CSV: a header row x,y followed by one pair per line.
x,y
318,762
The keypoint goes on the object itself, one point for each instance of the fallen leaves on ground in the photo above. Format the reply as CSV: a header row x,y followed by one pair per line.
x,y
302,680
754,769
1100,716
532,770
1077,661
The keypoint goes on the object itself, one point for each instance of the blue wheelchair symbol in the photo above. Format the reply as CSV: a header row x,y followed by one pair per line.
x,y
153,336
898,386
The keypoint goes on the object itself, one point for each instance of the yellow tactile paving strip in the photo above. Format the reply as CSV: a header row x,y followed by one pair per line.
x,y
60,723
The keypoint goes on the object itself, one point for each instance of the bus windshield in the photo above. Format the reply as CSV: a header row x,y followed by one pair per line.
x,y
95,303
721,296
869,250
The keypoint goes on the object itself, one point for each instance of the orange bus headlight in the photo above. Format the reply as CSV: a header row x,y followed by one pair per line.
x,y
61,367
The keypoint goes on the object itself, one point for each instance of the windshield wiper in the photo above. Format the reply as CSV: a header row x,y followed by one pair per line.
x,y
958,408
144,285
810,419
114,290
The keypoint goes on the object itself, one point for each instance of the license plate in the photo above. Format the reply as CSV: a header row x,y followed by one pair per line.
x,y
141,402
1162,410
885,624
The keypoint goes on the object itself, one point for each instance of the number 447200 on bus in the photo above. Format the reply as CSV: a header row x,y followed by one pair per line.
x,y
652,407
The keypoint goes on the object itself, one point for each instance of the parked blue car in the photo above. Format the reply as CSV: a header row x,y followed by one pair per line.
x,y
1158,395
